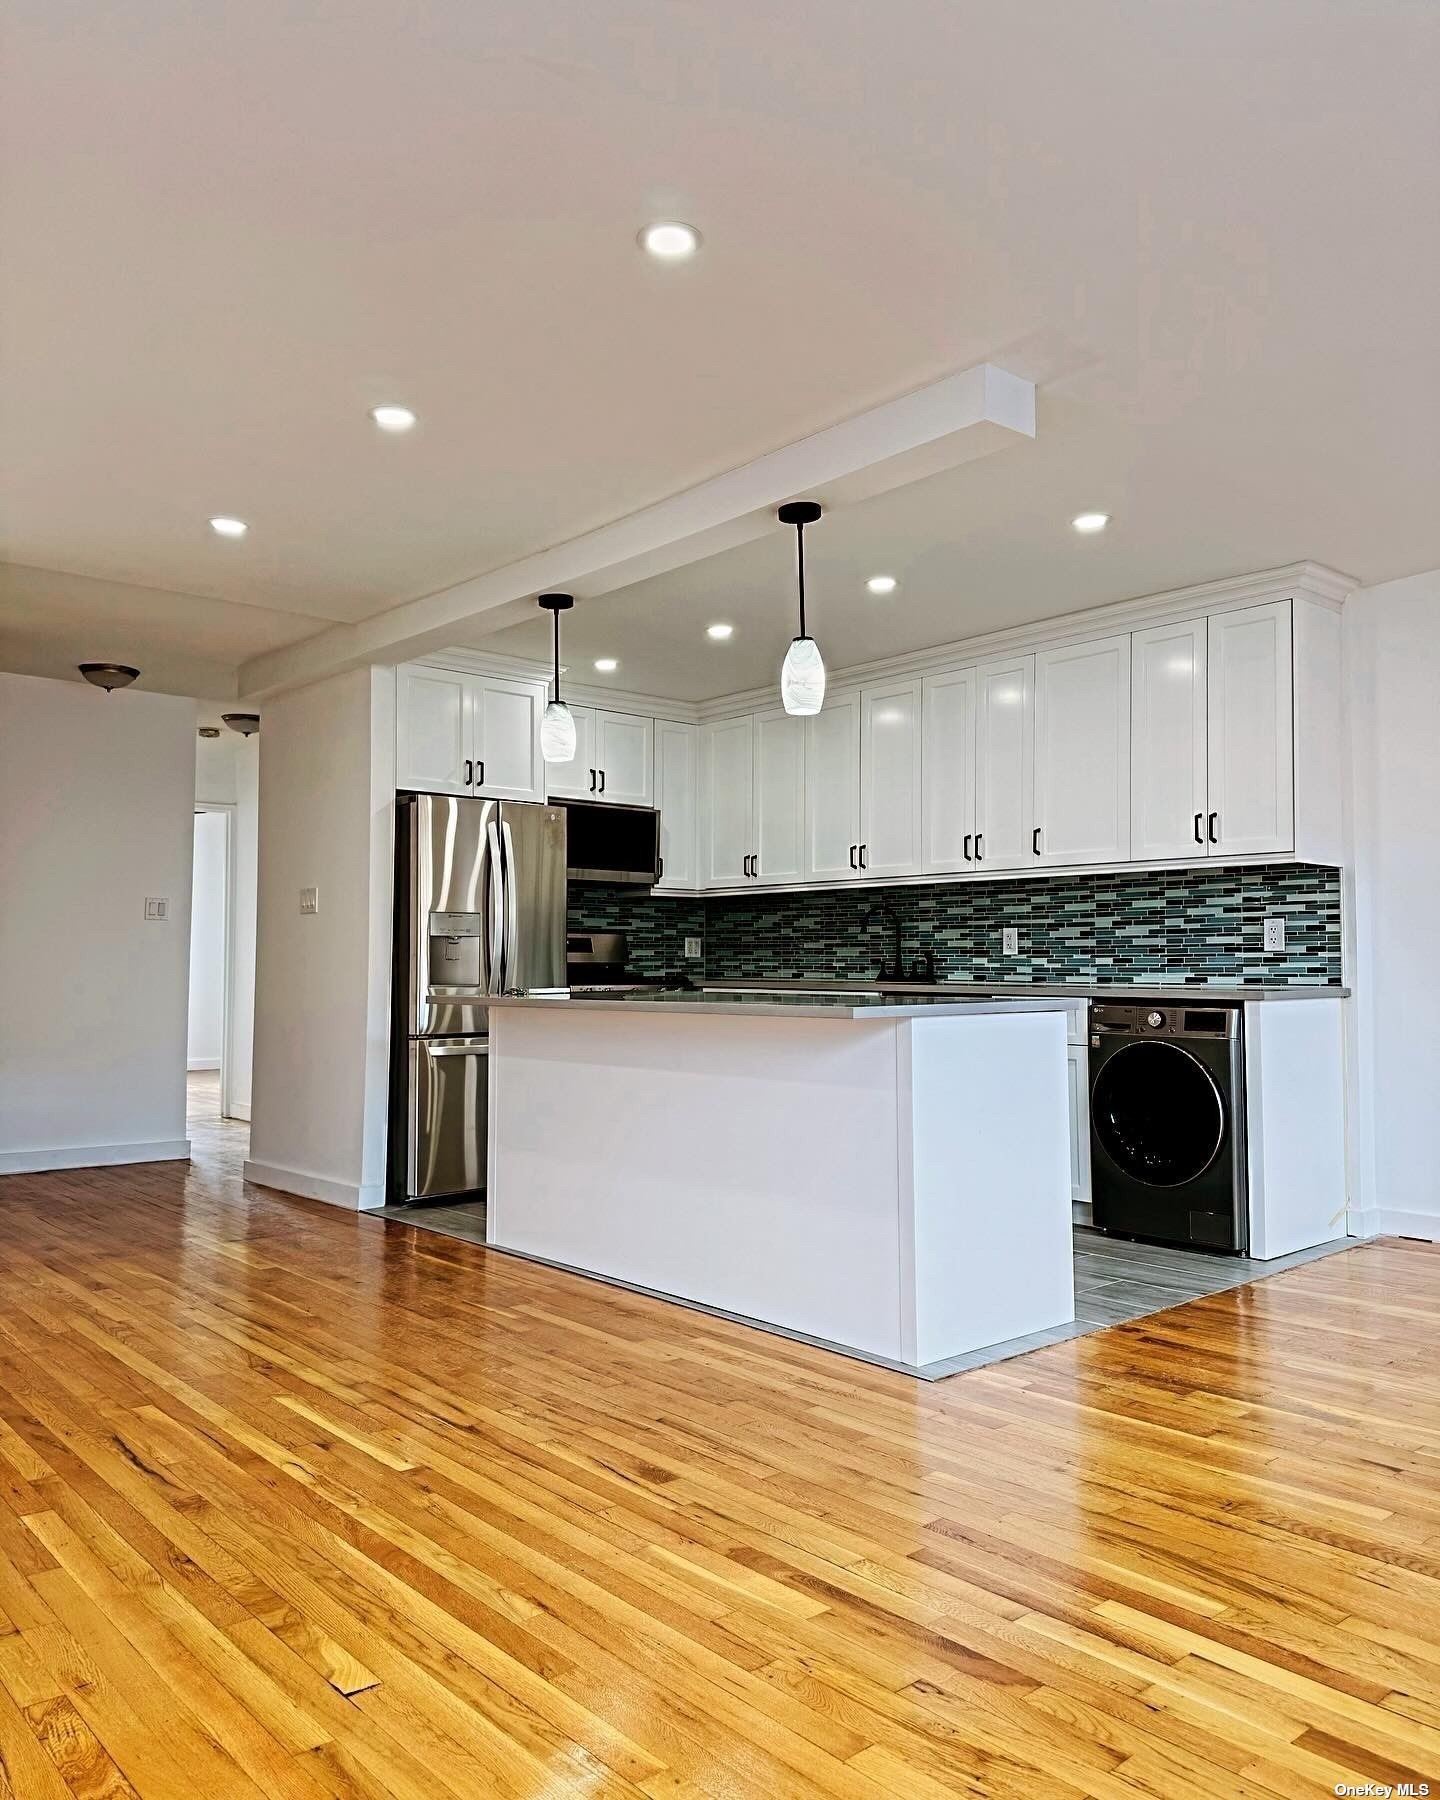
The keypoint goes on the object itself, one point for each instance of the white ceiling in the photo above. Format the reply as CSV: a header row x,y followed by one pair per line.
x,y
1211,234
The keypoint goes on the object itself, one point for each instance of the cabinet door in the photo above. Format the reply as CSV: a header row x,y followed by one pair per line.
x,y
890,771
832,790
508,764
677,783
435,730
1167,741
625,757
779,842
578,779
948,771
1251,750
727,784
1003,785
1082,753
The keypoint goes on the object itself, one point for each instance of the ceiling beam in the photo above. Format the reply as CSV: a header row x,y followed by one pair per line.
x,y
951,421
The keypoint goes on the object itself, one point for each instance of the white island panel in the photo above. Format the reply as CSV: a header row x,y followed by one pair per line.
x,y
749,1164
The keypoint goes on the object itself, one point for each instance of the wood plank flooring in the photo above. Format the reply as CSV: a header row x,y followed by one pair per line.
x,y
296,1503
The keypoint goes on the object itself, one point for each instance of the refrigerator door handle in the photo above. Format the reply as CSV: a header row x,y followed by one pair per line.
x,y
512,920
496,943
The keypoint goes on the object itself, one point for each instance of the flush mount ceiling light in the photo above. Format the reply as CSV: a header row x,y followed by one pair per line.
x,y
247,724
669,240
208,731
228,528
882,584
108,675
802,674
607,665
557,724
393,418
1089,523
719,632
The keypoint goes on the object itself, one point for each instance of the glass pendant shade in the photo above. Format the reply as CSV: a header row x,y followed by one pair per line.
x,y
557,733
802,677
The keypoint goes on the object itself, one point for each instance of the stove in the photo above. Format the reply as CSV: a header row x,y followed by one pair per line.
x,y
597,962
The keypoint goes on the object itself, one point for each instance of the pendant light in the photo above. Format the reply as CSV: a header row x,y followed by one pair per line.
x,y
802,674
557,723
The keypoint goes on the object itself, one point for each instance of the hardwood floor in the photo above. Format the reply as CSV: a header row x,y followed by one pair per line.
x,y
299,1503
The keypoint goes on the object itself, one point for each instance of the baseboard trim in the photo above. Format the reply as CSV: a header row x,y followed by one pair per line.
x,y
92,1156
238,1110
1081,1212
1363,1222
197,1065
315,1187
1410,1224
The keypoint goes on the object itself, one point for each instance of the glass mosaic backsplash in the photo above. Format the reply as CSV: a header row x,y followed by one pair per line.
x,y
1162,927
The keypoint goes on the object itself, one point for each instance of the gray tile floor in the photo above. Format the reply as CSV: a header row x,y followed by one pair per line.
x,y
1115,1281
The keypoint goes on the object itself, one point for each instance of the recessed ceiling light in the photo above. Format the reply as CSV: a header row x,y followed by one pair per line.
x,y
607,665
881,584
393,418
669,240
1090,522
719,632
231,528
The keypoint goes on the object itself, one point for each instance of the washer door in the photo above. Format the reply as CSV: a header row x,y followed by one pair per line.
x,y
1157,1113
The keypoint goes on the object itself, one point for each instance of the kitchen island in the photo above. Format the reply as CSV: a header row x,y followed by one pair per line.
x,y
888,1176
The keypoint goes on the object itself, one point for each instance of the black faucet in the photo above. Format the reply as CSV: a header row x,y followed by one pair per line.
x,y
894,968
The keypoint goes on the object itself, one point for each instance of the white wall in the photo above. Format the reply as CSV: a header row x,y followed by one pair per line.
x,y
327,794
1392,644
244,850
97,796
207,941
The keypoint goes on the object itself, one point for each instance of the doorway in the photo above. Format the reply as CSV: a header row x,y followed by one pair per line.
x,y
208,1039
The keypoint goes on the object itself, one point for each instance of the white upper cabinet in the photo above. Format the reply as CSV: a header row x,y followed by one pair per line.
x,y
1003,775
577,779
435,743
1082,753
948,708
779,846
727,800
832,790
625,758
1169,783
1251,742
468,734
890,779
677,786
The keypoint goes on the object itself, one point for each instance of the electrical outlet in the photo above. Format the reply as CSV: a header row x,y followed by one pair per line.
x,y
156,907
1009,940
1275,933
309,900
693,948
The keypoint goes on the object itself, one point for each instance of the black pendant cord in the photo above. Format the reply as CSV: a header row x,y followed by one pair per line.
x,y
555,617
800,570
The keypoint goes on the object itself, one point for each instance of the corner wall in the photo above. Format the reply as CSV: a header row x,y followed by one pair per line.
x,y
97,802
322,981
1392,654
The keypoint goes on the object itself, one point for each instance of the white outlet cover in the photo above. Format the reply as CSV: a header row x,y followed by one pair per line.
x,y
1010,940
1275,933
693,947
309,900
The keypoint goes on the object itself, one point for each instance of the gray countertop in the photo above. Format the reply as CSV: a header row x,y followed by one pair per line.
x,y
1078,990
803,1003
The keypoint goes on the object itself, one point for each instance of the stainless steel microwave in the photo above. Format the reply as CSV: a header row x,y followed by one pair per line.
x,y
612,843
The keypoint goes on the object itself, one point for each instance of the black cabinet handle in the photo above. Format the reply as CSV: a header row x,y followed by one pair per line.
x,y
480,773
602,781
1211,828
979,846
1035,841
469,773
1199,834
968,836
853,863
592,781
864,859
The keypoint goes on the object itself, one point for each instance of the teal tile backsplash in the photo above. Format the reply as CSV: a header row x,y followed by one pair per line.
x,y
1153,926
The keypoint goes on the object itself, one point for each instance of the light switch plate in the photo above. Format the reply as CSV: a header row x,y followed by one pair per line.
x,y
1275,933
156,906
1010,940
693,947
309,900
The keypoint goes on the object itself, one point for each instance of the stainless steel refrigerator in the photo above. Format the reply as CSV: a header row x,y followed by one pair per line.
x,y
479,910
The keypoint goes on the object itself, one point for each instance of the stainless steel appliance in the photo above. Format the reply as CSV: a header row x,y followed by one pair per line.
x,y
598,962
479,910
1167,1123
612,843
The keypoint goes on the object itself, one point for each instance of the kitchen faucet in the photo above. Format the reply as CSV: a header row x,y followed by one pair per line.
x,y
894,969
